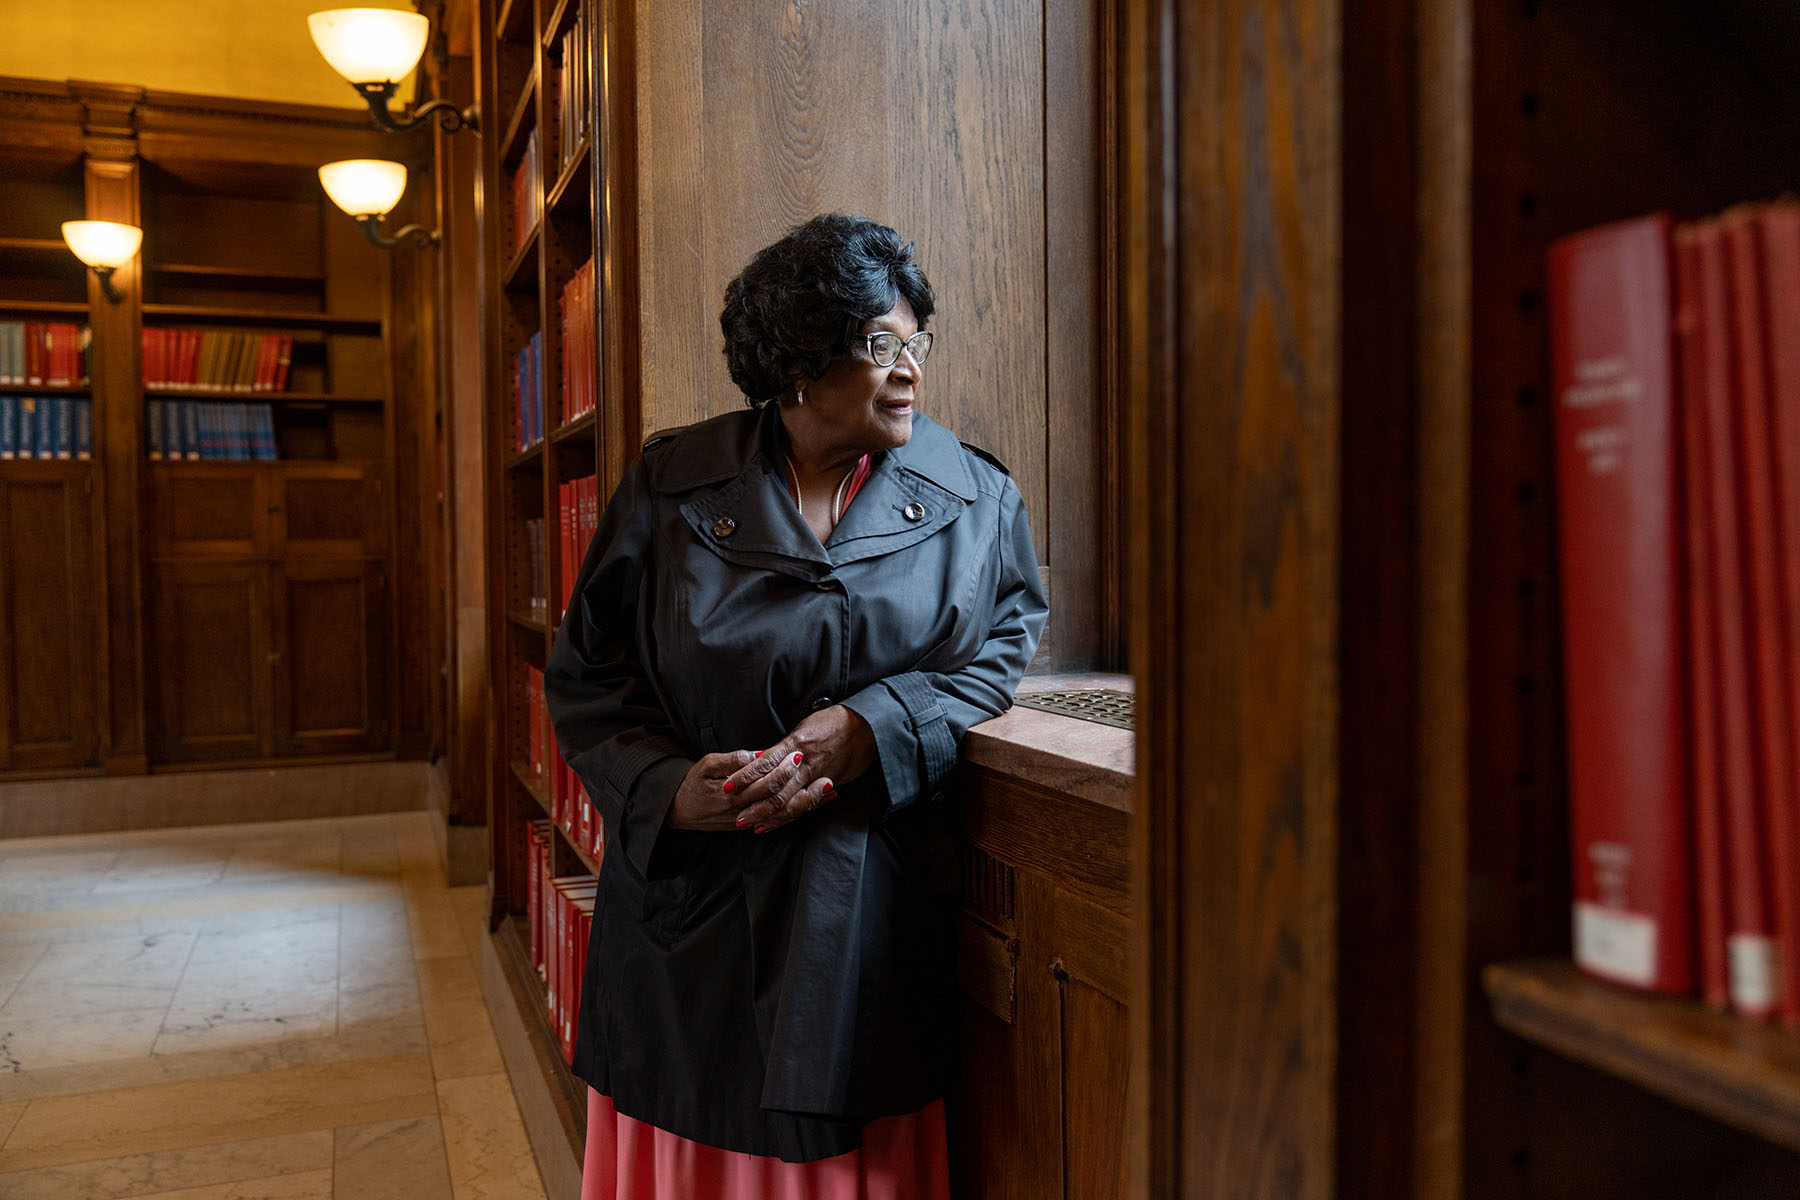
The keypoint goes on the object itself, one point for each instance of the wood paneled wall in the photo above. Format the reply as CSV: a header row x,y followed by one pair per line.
x,y
1231,288
974,127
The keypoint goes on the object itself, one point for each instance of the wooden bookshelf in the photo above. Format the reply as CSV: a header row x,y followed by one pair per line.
x,y
1741,1072
517,41
231,609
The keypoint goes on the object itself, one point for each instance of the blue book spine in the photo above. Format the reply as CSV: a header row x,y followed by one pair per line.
x,y
190,428
9,426
153,429
267,421
64,414
84,428
40,426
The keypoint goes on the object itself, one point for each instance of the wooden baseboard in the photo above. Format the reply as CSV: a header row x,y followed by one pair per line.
x,y
104,804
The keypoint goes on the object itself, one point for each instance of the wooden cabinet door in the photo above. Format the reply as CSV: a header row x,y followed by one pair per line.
x,y
327,509
209,649
49,617
330,655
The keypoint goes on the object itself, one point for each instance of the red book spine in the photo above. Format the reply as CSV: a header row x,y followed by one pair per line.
x,y
553,953
534,843
1613,377
1706,770
1769,649
543,914
1748,938
1781,246
565,1017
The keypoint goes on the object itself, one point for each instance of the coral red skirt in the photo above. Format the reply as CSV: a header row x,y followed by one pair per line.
x,y
902,1158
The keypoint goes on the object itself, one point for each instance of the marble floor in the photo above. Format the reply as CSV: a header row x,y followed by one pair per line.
x,y
284,1011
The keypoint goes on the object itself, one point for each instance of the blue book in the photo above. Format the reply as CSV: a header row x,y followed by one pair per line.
x,y
266,433
84,428
190,429
62,426
9,427
39,418
153,429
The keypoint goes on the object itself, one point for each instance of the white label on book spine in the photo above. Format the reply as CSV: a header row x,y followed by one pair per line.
x,y
1752,960
1618,945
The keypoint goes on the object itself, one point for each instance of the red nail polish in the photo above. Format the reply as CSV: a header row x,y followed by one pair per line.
x,y
759,754
743,821
797,757
730,787
761,829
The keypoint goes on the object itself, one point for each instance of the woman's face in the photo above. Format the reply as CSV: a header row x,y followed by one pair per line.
x,y
857,406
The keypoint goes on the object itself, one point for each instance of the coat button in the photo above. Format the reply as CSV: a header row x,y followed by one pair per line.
x,y
821,702
913,512
724,527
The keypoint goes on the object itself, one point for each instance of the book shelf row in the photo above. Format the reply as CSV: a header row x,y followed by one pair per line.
x,y
527,191
573,108
560,910
569,807
44,354
1676,366
46,427
216,360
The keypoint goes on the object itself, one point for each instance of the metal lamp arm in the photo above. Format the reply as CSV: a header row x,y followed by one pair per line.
x,y
450,118
416,233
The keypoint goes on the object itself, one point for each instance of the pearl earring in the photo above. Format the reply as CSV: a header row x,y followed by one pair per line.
x,y
799,395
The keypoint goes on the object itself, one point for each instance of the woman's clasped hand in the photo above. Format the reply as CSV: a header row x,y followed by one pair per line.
x,y
762,790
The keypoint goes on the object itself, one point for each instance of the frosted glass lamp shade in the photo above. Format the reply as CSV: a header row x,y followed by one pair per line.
x,y
105,245
364,187
370,45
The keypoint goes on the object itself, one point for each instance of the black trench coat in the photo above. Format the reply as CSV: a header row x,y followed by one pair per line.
x,y
772,993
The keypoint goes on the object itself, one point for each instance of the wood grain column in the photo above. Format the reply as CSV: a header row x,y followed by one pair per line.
x,y
1231,391
110,143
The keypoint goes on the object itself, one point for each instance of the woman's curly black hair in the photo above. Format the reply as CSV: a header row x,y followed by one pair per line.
x,y
798,303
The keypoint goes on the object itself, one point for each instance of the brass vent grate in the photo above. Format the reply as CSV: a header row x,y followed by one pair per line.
x,y
1103,706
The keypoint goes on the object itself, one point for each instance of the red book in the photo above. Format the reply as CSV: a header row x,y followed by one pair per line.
x,y
1748,936
1772,713
534,896
284,355
1705,765
1613,375
1781,247
263,378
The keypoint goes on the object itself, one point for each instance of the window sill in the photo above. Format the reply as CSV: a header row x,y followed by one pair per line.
x,y
1063,754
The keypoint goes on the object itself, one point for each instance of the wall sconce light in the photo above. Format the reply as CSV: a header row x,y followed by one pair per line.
x,y
104,246
374,48
368,189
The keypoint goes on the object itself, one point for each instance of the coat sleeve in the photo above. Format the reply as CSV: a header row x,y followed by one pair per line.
x,y
610,723
919,717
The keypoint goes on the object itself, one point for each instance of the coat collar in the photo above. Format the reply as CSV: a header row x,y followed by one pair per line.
x,y
729,446
727,472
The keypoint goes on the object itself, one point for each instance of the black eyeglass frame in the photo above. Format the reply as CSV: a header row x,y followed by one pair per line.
x,y
913,345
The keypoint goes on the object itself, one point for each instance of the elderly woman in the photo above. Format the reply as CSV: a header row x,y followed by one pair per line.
x,y
787,619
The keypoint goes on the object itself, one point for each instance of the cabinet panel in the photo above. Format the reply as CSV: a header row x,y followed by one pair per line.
x,y
1095,1036
47,616
330,678
210,648
328,509
208,511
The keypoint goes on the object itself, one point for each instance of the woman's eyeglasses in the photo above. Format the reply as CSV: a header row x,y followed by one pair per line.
x,y
885,348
